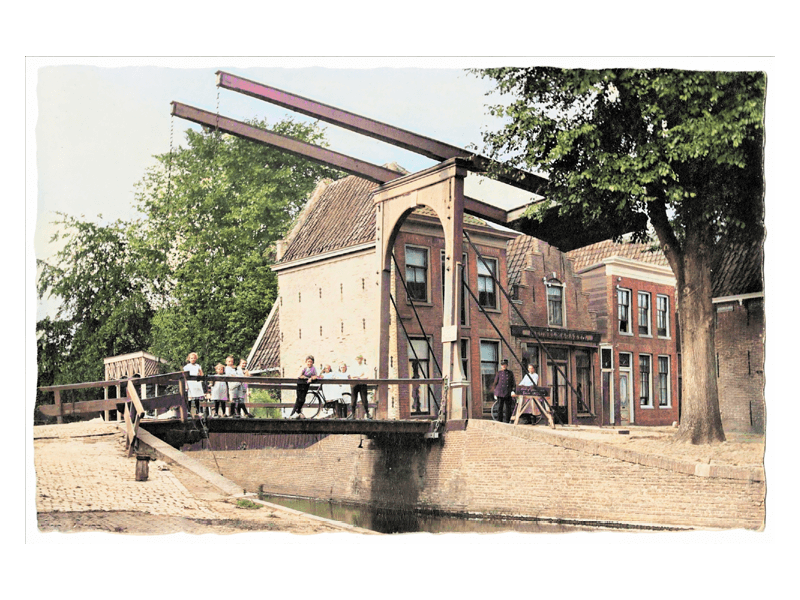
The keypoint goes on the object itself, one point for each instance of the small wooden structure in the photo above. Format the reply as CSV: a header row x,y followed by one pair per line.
x,y
127,366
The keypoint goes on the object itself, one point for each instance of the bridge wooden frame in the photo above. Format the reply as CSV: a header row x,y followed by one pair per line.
x,y
441,188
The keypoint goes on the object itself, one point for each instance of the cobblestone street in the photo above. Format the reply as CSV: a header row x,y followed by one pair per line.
x,y
86,482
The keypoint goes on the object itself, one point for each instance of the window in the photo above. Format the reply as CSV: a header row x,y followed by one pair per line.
x,y
662,316
490,364
419,368
465,366
487,271
555,305
530,356
663,382
464,297
417,273
644,313
624,310
645,397
606,358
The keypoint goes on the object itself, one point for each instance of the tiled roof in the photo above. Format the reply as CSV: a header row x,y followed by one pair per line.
x,y
342,216
738,269
517,251
267,353
594,253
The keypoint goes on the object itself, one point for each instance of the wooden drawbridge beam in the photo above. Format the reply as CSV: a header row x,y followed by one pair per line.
x,y
318,154
439,151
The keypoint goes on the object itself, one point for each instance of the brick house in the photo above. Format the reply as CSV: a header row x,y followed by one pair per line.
x,y
328,289
632,292
555,328
739,325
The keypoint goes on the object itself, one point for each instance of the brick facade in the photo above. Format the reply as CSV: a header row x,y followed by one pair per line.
x,y
496,469
552,301
643,366
740,343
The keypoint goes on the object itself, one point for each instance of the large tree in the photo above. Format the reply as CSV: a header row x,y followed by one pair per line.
x,y
682,148
214,210
192,273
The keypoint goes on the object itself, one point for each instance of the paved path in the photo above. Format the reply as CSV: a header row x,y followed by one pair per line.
x,y
85,481
85,467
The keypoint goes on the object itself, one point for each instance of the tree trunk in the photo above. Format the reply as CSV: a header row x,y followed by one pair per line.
x,y
700,421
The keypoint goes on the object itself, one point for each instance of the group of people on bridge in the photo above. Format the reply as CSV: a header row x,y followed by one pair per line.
x,y
338,394
219,392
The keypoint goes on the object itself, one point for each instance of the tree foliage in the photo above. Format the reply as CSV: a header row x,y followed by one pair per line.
x,y
192,273
105,303
682,148
214,210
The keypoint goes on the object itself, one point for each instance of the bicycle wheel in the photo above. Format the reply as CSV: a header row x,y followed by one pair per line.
x,y
312,405
496,410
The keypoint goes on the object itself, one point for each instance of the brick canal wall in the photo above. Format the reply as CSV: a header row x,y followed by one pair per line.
x,y
496,469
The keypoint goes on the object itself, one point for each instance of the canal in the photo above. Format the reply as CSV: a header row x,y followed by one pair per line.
x,y
389,520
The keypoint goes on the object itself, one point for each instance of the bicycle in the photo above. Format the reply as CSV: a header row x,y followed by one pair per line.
x,y
316,401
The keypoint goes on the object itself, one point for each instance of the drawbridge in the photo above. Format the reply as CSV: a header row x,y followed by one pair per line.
x,y
440,188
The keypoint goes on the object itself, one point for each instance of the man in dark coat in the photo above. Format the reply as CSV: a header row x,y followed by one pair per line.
x,y
503,390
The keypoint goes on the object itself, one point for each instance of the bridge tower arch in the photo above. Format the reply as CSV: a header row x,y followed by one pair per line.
x,y
440,188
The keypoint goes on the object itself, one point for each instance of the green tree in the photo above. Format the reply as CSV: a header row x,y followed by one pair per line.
x,y
105,306
684,149
214,210
191,274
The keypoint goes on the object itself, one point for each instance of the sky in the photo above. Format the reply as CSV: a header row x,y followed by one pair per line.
x,y
93,124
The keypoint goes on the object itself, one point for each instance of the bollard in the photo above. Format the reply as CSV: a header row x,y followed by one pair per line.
x,y
142,466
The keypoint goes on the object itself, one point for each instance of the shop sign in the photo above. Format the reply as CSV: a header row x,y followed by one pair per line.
x,y
559,335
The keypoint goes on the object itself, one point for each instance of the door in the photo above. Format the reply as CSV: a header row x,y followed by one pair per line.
x,y
625,411
557,364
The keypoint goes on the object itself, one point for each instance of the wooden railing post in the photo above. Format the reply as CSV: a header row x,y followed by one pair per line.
x,y
182,405
59,418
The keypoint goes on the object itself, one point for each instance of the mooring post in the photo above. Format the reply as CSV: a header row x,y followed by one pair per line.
x,y
142,466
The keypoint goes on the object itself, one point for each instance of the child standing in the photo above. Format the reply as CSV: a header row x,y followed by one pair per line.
x,y
239,398
219,392
195,388
233,386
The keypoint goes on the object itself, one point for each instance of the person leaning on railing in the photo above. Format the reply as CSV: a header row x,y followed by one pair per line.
x,y
308,373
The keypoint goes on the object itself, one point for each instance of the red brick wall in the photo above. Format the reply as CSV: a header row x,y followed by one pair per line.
x,y
739,337
638,344
430,314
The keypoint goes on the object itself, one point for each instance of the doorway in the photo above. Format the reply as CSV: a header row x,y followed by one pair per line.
x,y
625,409
558,372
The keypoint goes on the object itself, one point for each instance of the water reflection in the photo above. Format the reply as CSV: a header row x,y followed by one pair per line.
x,y
387,520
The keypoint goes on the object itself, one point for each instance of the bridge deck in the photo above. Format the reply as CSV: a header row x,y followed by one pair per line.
x,y
365,427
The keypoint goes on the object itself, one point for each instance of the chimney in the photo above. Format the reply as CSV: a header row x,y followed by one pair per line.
x,y
280,249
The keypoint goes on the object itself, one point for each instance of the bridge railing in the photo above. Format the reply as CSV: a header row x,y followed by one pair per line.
x,y
136,388
290,383
174,383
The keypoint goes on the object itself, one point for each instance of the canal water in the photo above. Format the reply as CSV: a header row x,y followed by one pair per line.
x,y
387,520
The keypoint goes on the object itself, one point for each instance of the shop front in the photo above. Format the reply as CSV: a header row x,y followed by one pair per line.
x,y
566,361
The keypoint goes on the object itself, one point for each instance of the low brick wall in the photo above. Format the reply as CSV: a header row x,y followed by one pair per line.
x,y
496,469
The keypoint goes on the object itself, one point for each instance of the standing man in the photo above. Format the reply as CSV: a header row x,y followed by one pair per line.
x,y
503,391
